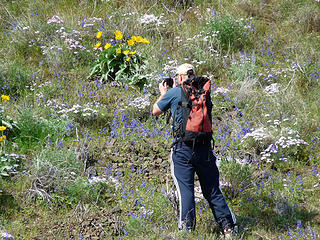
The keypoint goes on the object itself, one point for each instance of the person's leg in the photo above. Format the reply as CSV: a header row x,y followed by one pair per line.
x,y
183,175
208,173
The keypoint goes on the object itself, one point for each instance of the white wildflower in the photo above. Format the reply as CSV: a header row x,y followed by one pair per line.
x,y
273,88
258,134
221,90
198,196
55,19
5,235
152,19
140,102
143,211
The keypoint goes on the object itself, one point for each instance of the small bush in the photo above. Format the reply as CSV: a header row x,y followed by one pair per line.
x,y
53,170
84,191
14,78
58,175
33,130
228,32
308,19
8,165
237,175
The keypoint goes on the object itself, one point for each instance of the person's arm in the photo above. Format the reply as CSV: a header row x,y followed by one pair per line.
x,y
156,111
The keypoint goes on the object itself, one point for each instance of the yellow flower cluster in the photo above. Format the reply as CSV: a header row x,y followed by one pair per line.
x,y
2,128
99,34
140,39
5,98
98,44
107,46
118,36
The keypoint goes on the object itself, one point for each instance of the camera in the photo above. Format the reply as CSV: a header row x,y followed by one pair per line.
x,y
168,81
197,82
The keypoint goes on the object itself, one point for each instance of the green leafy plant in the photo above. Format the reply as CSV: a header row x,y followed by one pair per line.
x,y
82,190
8,122
119,61
7,164
5,120
52,171
238,175
33,130
15,77
228,32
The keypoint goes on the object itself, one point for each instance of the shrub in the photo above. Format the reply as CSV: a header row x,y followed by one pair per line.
x,y
33,130
58,175
52,170
228,32
307,19
238,176
82,190
8,164
14,78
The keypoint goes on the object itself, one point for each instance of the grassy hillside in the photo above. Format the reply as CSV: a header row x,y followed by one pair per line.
x,y
82,157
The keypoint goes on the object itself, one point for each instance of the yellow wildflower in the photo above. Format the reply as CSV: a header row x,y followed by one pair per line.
x,y
99,34
146,41
118,35
4,137
118,50
139,39
126,52
1,138
134,38
107,46
130,42
132,53
128,59
97,44
5,97
2,128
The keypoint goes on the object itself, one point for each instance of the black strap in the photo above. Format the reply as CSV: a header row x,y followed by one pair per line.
x,y
168,117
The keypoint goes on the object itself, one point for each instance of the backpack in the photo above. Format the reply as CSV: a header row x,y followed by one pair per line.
x,y
196,107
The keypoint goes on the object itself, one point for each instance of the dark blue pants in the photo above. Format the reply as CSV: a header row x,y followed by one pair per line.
x,y
200,159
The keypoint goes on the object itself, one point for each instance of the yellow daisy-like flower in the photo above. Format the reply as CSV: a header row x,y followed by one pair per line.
x,y
146,41
107,46
128,59
118,50
2,128
118,35
139,39
1,139
132,53
5,97
126,52
97,44
134,38
4,137
99,34
130,42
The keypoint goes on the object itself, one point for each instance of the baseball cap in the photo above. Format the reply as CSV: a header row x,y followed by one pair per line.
x,y
184,68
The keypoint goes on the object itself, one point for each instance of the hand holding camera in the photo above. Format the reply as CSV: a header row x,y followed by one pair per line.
x,y
168,81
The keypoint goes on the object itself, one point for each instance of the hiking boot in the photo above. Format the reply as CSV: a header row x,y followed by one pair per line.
x,y
229,232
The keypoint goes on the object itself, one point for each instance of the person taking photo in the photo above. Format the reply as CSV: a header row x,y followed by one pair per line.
x,y
192,152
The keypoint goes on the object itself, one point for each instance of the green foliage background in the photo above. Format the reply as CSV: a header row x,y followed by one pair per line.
x,y
87,160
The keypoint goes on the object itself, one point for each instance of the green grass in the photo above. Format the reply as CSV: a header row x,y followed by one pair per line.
x,y
70,131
